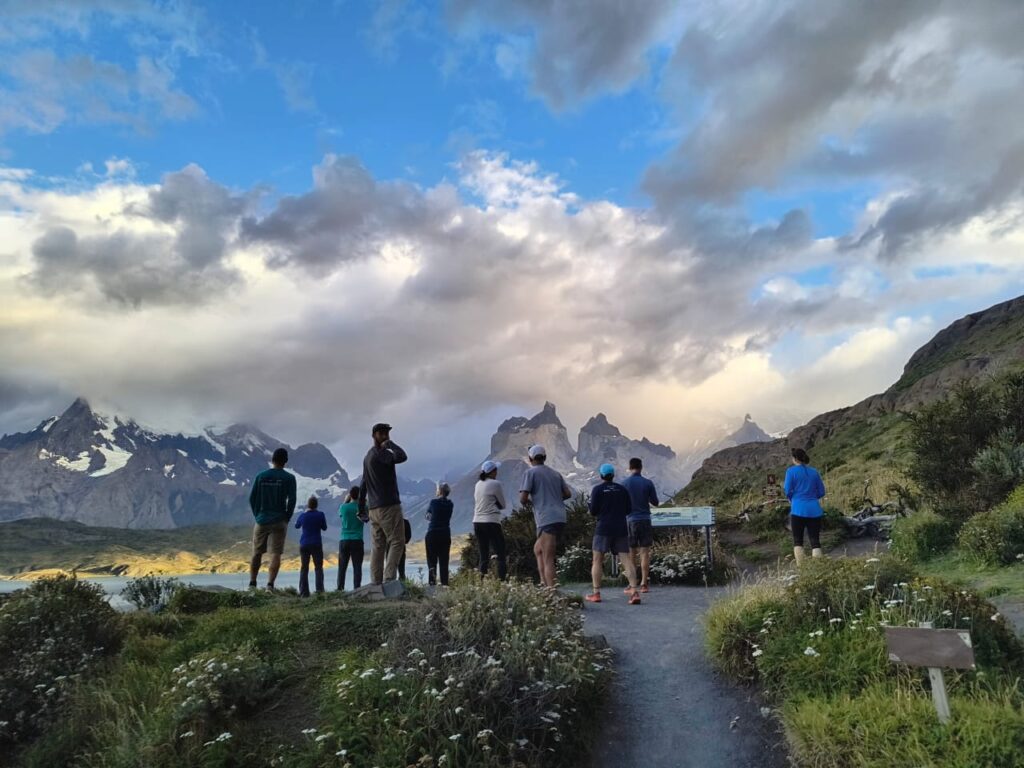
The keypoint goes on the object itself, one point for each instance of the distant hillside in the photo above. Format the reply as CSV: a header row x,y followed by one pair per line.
x,y
36,546
865,442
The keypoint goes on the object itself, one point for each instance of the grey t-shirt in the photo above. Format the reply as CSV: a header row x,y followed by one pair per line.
x,y
547,489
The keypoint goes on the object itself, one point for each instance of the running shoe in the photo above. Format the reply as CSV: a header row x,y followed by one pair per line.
x,y
593,597
644,588
634,599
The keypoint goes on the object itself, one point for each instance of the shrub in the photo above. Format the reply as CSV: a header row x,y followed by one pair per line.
x,y
51,634
194,600
216,684
736,623
521,534
492,674
921,536
574,564
888,725
996,537
150,592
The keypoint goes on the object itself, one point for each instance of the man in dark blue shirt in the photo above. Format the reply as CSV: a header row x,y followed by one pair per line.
x,y
641,533
610,504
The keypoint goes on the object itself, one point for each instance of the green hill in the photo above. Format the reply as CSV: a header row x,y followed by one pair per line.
x,y
865,443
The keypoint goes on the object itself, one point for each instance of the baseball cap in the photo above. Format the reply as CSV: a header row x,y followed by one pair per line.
x,y
380,426
605,470
489,466
537,450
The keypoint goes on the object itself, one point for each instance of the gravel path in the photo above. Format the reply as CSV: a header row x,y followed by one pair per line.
x,y
668,708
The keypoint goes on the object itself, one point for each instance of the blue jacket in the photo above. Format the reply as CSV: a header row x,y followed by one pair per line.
x,y
439,513
312,521
804,488
610,504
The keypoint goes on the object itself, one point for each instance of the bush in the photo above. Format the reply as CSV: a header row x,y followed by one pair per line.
x,y
51,634
922,536
735,626
195,600
574,564
888,725
150,592
996,537
217,684
521,534
492,674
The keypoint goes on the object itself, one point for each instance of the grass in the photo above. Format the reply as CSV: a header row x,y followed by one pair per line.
x,y
987,580
813,640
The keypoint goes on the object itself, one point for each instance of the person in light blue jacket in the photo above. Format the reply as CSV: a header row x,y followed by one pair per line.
x,y
804,489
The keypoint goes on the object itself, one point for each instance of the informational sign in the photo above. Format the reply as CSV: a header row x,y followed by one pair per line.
x,y
934,649
665,517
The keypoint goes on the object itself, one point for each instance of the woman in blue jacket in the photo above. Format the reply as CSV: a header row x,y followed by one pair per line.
x,y
804,489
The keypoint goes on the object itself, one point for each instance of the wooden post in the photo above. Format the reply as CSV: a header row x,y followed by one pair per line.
x,y
939,694
707,547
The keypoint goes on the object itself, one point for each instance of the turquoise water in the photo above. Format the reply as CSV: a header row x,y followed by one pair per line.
x,y
416,570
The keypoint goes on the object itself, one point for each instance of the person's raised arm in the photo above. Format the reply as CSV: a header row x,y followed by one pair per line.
x,y
392,454
524,498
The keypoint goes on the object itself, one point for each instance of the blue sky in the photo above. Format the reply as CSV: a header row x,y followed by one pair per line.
x,y
446,212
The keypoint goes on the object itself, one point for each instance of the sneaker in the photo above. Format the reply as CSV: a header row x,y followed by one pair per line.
x,y
252,585
634,599
644,588
593,597
271,588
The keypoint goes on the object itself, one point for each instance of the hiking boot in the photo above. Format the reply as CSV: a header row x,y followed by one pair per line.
x,y
634,599
593,597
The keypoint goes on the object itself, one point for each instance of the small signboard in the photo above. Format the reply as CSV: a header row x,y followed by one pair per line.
x,y
934,649
919,647
682,516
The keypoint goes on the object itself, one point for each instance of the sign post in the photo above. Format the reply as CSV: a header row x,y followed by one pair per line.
x,y
932,648
687,517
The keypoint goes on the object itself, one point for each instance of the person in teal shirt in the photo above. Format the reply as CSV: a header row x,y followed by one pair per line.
x,y
350,548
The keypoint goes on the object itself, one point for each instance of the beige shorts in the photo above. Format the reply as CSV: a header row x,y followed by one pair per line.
x,y
269,538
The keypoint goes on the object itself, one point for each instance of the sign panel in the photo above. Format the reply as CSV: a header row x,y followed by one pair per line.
x,y
663,517
920,647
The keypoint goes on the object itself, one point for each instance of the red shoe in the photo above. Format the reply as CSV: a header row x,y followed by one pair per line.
x,y
593,597
634,599
644,588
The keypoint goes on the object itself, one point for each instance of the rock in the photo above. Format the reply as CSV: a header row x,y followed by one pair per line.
x,y
393,589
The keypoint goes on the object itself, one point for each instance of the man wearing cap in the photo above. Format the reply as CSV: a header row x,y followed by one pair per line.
x,y
379,494
272,501
641,534
610,504
488,504
546,490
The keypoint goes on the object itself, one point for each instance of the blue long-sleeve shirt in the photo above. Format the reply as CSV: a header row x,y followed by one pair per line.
x,y
804,488
642,495
312,521
610,504
439,513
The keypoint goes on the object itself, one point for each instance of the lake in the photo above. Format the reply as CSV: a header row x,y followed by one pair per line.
x,y
416,570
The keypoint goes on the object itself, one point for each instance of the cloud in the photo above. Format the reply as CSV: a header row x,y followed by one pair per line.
x,y
572,51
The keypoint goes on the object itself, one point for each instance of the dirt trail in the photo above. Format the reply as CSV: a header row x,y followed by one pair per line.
x,y
667,707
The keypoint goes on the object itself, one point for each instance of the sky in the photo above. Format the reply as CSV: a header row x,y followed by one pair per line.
x,y
313,216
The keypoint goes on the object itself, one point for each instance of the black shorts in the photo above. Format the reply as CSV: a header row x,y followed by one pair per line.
x,y
641,534
555,529
617,545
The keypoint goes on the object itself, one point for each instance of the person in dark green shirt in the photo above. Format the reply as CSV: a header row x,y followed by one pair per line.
x,y
351,548
272,501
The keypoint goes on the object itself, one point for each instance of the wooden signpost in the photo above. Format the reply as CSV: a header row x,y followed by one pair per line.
x,y
935,649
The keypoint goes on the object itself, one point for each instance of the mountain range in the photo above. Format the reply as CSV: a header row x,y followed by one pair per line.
x,y
598,442
105,470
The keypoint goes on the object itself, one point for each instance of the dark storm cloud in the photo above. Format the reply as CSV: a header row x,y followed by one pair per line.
x,y
580,48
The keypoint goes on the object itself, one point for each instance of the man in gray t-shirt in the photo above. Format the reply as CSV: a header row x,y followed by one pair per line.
x,y
546,490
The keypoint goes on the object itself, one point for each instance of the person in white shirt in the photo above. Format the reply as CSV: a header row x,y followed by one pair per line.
x,y
488,505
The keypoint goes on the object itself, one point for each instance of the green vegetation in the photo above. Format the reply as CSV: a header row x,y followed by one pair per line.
x,y
967,449
996,537
480,676
813,640
922,536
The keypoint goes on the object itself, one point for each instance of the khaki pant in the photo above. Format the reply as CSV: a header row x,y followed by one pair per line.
x,y
387,535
